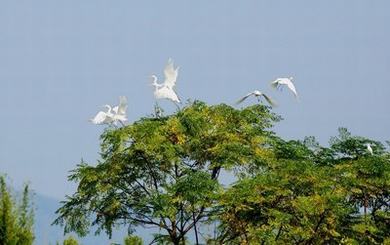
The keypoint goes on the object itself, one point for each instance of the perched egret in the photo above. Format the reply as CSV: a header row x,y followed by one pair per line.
x,y
257,94
369,149
165,90
112,115
279,82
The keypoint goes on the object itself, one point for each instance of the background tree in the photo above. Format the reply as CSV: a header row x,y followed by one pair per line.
x,y
309,194
163,171
367,178
25,219
8,219
16,220
289,201
70,241
133,240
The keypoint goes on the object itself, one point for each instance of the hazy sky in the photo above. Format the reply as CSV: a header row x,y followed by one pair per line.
x,y
61,60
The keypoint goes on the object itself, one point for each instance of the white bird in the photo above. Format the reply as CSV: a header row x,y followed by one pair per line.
x,y
120,110
369,149
257,94
166,90
103,117
112,115
279,82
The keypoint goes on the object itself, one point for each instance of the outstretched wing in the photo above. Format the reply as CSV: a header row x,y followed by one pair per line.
x,y
122,107
269,100
100,118
166,93
291,86
171,95
170,74
244,98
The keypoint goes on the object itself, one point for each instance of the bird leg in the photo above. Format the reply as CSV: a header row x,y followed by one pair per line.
x,y
158,112
113,124
123,125
177,106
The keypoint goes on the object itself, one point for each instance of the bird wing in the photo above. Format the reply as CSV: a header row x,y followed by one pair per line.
x,y
166,93
269,100
119,117
100,118
244,98
170,74
115,109
172,95
122,107
291,86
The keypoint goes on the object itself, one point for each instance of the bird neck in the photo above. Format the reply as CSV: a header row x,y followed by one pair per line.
x,y
154,82
108,108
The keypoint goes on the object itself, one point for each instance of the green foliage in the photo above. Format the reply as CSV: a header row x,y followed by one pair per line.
x,y
26,219
306,196
7,216
70,241
16,222
163,171
133,240
291,203
348,146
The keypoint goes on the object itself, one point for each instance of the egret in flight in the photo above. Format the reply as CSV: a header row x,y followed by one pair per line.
x,y
166,90
112,115
103,117
257,94
279,82
369,149
119,111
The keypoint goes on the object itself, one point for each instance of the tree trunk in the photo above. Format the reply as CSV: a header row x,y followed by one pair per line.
x,y
195,229
175,238
176,241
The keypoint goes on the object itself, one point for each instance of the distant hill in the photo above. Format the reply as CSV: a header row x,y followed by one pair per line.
x,y
47,234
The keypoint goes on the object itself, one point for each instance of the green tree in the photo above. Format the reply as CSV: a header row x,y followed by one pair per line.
x,y
70,241
26,219
8,219
309,194
133,240
367,178
163,171
16,221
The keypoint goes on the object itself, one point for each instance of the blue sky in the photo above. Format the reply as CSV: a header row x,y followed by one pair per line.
x,y
61,60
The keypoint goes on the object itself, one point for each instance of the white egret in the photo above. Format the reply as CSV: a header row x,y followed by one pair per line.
x,y
103,117
279,82
369,149
112,115
166,90
257,94
119,111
